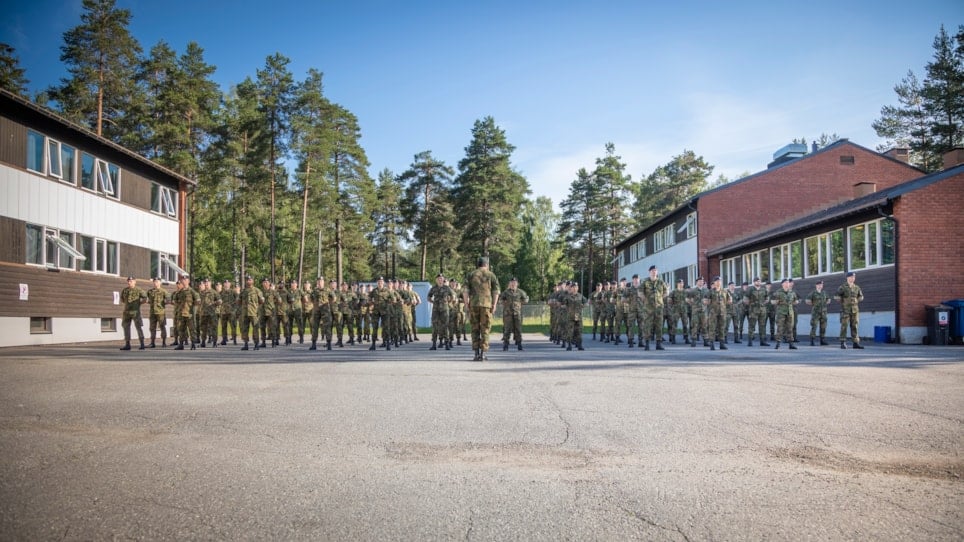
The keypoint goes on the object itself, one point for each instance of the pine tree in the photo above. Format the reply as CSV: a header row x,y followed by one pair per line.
x,y
614,198
11,74
426,181
389,231
583,225
670,186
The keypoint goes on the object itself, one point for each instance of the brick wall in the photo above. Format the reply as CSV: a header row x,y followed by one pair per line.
x,y
930,251
796,189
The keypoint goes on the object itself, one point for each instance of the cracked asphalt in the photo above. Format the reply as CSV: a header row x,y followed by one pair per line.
x,y
607,444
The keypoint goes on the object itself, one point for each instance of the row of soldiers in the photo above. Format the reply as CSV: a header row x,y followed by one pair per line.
x,y
709,312
273,312
448,312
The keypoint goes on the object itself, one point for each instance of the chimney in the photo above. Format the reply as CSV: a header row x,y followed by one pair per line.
x,y
954,157
813,147
864,188
899,153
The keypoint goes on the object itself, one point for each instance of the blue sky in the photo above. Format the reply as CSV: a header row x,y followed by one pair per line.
x,y
732,82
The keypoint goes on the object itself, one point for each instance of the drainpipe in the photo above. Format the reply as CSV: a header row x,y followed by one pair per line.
x,y
886,216
689,205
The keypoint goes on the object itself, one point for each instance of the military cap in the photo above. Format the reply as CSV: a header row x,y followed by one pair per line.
x,y
680,280
851,274
206,279
440,275
716,278
513,279
768,282
483,260
131,278
756,279
652,267
184,276
700,278
785,281
248,277
266,279
745,283
731,283
623,278
157,278
635,275
819,282
380,278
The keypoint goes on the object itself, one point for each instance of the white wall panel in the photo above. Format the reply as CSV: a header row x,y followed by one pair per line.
x,y
679,255
37,200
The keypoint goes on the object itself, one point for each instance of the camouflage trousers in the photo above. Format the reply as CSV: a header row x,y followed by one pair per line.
x,y
715,324
383,319
158,321
250,324
698,323
634,323
621,322
269,327
784,321
481,320
229,322
185,329
679,315
818,319
295,319
597,317
320,324
851,320
135,318
756,321
209,327
575,331
440,323
609,317
512,324
652,323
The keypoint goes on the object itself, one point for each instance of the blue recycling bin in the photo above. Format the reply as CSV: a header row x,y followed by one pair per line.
x,y
882,334
957,317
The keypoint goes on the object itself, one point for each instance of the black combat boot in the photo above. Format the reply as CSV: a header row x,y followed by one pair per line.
x,y
234,341
434,346
245,347
180,346
630,343
750,342
152,343
659,345
672,339
164,341
713,345
142,345
448,345
458,341
505,346
858,346
389,346
314,346
777,347
193,345
723,345
823,342
327,345
763,343
594,335
646,347
351,341
519,347
811,342
256,347
224,340
127,346
793,346
569,348
686,339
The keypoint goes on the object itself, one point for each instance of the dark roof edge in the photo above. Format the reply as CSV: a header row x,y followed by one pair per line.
x,y
20,100
842,210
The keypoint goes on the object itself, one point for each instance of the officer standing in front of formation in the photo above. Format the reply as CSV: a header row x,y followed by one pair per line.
x,y
322,300
783,301
850,295
717,301
480,294
818,301
250,301
440,296
512,299
131,298
652,293
574,302
157,300
229,312
679,312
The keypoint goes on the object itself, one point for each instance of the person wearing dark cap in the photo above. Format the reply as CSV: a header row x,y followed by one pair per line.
x,y
771,311
818,301
621,318
679,312
131,298
756,301
381,298
718,303
733,312
440,297
229,312
574,303
269,313
597,305
651,294
480,295
609,311
633,311
157,300
186,301
850,295
698,301
210,303
512,299
783,301
249,302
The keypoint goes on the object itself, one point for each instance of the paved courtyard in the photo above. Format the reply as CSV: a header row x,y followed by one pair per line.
x,y
607,444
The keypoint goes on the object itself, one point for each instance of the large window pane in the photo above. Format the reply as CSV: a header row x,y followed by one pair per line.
x,y
66,260
53,153
858,238
68,161
764,256
35,151
796,259
87,249
112,260
35,244
886,242
52,250
813,256
872,249
837,252
776,262
87,179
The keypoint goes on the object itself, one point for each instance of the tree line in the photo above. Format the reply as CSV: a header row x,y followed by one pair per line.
x,y
283,181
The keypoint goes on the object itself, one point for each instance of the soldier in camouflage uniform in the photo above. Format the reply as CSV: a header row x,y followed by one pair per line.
x,y
157,300
633,312
441,296
307,308
733,312
460,311
210,303
416,301
717,301
651,294
512,299
381,298
346,301
131,298
229,313
295,313
322,301
771,311
818,301
850,295
269,313
756,301
609,311
574,303
337,322
555,333
185,299
455,311
480,295
679,312
596,304
696,296
249,306
405,312
783,301
622,308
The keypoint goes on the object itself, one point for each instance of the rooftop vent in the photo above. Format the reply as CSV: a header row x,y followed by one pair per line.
x,y
787,153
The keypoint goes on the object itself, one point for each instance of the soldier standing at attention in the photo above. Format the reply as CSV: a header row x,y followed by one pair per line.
x,y
679,313
269,313
157,300
512,299
185,301
480,294
733,312
596,304
620,313
633,311
249,303
783,301
652,292
295,313
416,301
771,311
210,301
132,297
717,301
380,297
756,301
796,313
609,312
574,302
229,313
850,295
307,309
818,301
698,312
322,300
440,296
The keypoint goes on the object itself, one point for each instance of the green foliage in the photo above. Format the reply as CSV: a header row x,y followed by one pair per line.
x,y
11,74
670,186
427,207
540,261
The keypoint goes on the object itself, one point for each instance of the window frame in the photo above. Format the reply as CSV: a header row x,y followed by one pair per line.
x,y
691,228
100,261
32,156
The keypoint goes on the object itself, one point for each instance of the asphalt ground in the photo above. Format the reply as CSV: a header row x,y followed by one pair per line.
x,y
610,443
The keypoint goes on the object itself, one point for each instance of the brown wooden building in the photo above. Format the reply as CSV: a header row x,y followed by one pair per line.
x,y
78,215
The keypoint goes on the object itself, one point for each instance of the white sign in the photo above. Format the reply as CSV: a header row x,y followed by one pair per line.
x,y
942,318
24,292
117,298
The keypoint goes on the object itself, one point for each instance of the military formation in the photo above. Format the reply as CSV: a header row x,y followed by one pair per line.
x,y
337,315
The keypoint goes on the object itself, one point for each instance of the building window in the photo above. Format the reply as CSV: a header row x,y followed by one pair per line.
x,y
51,247
728,270
690,275
102,255
163,200
847,160
869,245
164,265
757,264
669,236
824,254
41,325
786,261
691,225
108,324
667,277
99,176
35,152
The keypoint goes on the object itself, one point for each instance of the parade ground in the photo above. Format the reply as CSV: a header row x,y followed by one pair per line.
x,y
610,443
